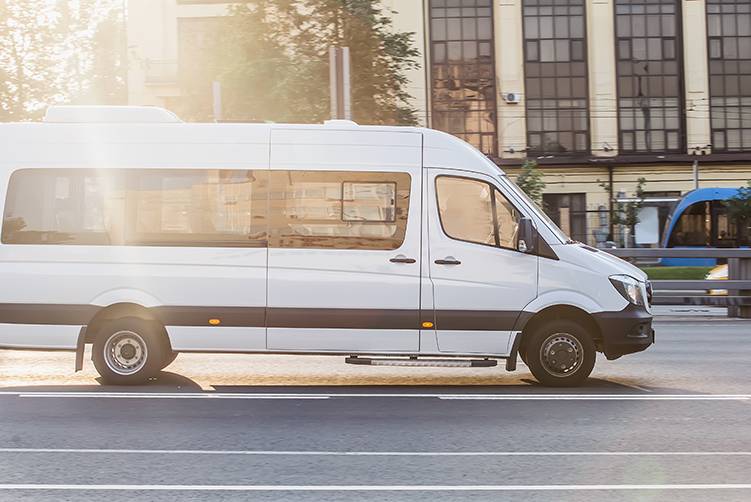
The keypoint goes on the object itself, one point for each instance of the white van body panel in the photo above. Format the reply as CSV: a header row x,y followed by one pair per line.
x,y
580,279
443,150
490,287
147,276
217,339
320,283
36,336
136,145
343,341
126,295
366,148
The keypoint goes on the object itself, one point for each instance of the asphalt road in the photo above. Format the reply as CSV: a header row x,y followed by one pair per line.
x,y
671,423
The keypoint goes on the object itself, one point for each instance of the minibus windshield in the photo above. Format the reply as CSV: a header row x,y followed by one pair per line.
x,y
544,217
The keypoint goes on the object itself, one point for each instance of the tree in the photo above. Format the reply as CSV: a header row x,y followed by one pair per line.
x,y
271,57
102,79
629,212
530,181
27,63
738,207
48,50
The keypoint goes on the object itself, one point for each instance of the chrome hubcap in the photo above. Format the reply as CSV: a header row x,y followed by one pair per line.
x,y
125,352
561,354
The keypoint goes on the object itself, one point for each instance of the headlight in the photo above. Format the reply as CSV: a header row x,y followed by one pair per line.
x,y
629,288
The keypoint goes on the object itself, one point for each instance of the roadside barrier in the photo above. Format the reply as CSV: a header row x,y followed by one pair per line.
x,y
738,299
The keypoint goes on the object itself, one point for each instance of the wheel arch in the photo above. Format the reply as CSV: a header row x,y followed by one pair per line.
x,y
562,312
120,310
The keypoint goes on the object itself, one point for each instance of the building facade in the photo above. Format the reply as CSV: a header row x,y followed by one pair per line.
x,y
599,93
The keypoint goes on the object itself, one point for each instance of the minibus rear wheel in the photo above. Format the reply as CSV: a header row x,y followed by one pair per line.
x,y
127,351
561,354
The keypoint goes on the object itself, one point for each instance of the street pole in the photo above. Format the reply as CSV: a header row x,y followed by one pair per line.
x,y
339,83
696,174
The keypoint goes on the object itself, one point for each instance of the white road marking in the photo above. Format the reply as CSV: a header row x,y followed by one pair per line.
x,y
473,397
376,488
384,453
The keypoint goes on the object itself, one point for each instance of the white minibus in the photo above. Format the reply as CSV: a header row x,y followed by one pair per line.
x,y
128,229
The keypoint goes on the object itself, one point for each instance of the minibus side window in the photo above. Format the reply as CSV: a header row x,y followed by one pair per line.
x,y
64,206
475,211
138,207
196,207
507,221
338,209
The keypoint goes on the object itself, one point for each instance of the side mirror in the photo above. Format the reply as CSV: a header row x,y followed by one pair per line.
x,y
527,237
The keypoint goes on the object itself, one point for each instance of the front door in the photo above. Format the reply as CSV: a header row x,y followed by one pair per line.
x,y
344,241
481,282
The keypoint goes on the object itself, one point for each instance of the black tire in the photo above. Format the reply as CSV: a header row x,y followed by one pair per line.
x,y
561,354
128,351
168,357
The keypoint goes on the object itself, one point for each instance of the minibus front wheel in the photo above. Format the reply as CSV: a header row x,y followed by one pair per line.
x,y
561,354
127,351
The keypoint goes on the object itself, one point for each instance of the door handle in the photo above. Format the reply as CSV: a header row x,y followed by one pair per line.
x,y
449,260
400,258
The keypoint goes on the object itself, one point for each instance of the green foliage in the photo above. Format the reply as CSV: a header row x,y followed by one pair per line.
x,y
51,52
629,212
103,78
738,207
676,273
271,57
27,63
530,181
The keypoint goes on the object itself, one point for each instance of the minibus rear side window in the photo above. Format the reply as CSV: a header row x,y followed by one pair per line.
x,y
338,209
137,207
64,206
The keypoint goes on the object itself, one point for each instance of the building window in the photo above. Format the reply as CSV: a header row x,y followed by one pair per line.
x,y
463,74
729,34
650,90
556,76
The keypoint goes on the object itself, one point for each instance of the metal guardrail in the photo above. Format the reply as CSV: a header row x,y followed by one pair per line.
x,y
738,299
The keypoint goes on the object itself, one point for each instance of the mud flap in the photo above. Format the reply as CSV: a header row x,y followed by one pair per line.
x,y
511,361
79,349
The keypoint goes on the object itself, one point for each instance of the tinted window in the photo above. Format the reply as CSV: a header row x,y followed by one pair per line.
x,y
474,211
692,228
200,207
338,209
46,206
196,207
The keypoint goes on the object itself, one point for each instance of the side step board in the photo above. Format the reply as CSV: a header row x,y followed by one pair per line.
x,y
453,363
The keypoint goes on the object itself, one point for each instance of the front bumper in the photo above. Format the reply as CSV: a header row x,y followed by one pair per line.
x,y
625,332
